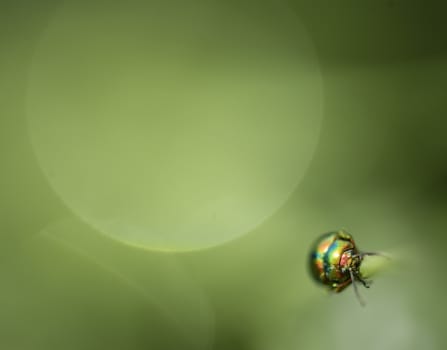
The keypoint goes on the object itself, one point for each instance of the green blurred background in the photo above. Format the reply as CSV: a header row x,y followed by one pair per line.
x,y
165,166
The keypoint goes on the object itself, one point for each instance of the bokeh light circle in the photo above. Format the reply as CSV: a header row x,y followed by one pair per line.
x,y
174,126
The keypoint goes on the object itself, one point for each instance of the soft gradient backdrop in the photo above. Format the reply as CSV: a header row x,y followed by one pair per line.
x,y
165,166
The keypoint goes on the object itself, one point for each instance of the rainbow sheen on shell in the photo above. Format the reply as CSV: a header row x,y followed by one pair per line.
x,y
335,259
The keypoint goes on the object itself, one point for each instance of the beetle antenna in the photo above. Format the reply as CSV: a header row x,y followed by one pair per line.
x,y
356,291
369,254
373,254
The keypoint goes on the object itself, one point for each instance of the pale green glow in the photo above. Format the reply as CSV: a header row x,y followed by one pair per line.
x,y
174,134
378,171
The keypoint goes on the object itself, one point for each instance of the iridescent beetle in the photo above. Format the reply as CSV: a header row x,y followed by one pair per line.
x,y
335,262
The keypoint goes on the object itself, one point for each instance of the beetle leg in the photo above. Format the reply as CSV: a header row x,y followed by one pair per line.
x,y
356,291
365,283
338,287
